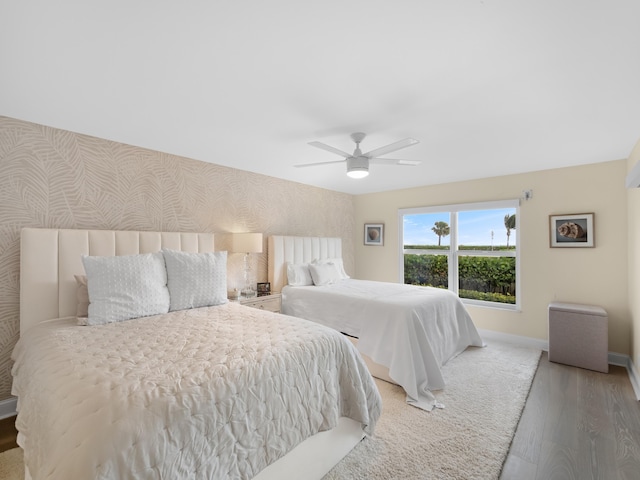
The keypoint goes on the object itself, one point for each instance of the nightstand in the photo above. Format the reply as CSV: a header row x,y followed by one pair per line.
x,y
270,303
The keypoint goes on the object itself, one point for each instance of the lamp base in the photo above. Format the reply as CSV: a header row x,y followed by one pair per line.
x,y
248,292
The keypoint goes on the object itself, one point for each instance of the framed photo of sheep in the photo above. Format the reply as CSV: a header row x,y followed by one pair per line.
x,y
574,230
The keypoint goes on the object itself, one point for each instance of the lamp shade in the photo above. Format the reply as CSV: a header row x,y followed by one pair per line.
x,y
246,243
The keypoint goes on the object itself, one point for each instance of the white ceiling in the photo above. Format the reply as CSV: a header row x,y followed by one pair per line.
x,y
487,87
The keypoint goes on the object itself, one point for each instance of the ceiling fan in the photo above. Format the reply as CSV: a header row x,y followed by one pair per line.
x,y
358,162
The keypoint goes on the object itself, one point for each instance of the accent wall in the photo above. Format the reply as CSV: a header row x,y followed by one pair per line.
x,y
57,179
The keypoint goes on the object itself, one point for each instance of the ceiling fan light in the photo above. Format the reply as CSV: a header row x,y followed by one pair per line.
x,y
357,167
357,173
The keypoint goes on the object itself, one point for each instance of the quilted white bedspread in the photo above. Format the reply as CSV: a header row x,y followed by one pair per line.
x,y
215,393
411,330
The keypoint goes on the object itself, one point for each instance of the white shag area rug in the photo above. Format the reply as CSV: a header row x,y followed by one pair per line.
x,y
11,466
486,389
468,439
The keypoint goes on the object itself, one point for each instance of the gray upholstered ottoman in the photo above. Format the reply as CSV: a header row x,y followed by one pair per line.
x,y
579,336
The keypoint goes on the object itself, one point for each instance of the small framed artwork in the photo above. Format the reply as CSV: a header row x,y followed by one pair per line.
x,y
374,234
264,289
575,230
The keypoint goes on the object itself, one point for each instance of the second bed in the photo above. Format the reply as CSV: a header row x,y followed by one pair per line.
x,y
406,332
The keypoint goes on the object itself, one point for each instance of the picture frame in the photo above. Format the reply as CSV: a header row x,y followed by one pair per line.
x,y
374,234
264,289
572,230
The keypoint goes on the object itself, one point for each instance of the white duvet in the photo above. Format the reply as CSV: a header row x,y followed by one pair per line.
x,y
411,330
208,393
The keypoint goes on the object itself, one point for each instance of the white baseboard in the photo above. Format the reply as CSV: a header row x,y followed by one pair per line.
x,y
613,358
618,359
634,377
515,339
8,407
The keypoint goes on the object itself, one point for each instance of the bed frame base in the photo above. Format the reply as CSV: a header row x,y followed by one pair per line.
x,y
314,457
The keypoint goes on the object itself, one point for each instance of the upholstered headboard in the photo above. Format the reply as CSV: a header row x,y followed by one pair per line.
x,y
49,259
283,249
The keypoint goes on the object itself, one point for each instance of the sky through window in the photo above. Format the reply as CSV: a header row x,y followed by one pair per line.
x,y
474,228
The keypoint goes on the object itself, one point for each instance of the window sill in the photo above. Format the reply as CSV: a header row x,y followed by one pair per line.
x,y
493,305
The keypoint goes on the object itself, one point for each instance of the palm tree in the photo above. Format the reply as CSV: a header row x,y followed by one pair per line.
x,y
441,229
509,224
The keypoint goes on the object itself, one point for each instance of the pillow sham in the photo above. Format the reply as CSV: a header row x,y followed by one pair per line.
x,y
298,274
324,273
337,261
196,279
82,296
125,287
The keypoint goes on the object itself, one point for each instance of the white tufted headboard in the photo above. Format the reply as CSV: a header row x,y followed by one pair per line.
x,y
49,258
283,249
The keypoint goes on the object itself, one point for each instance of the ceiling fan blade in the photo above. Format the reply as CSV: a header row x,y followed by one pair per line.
x,y
392,147
394,161
318,163
329,148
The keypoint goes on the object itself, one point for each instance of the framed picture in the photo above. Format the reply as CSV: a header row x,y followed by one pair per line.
x,y
374,234
574,230
264,289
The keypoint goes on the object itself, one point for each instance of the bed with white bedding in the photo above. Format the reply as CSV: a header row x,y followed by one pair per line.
x,y
221,391
407,333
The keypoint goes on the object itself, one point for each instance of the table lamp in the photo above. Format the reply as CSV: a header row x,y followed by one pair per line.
x,y
247,243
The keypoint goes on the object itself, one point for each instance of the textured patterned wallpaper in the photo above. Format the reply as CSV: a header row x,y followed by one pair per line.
x,y
58,179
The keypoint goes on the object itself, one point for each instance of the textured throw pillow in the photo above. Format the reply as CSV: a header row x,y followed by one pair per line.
x,y
324,273
337,262
298,274
196,279
125,287
82,296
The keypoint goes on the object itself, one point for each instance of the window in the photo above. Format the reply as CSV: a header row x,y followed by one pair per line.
x,y
471,249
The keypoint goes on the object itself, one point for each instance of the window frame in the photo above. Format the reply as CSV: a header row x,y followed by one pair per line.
x,y
453,253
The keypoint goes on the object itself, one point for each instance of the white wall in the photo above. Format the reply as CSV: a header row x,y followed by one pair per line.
x,y
633,222
582,275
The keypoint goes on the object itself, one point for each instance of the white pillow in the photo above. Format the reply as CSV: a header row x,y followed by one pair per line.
x,y
338,263
324,273
196,279
298,274
124,287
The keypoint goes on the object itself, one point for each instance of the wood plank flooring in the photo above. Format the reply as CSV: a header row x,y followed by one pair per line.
x,y
8,434
577,424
